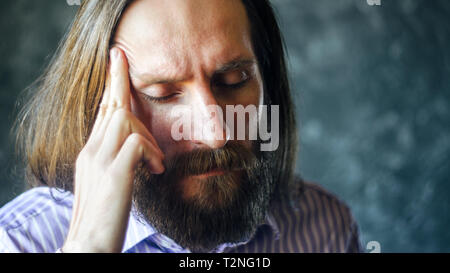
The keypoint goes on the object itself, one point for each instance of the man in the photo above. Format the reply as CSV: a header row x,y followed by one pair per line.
x,y
100,141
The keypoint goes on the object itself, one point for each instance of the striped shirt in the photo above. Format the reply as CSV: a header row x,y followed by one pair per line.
x,y
38,221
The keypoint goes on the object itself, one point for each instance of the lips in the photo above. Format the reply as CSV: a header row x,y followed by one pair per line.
x,y
214,172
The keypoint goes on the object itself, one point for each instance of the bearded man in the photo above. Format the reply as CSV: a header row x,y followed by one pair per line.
x,y
108,175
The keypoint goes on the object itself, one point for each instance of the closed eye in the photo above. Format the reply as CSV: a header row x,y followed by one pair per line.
x,y
157,99
232,80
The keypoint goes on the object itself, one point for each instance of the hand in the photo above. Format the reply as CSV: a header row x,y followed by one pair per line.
x,y
105,168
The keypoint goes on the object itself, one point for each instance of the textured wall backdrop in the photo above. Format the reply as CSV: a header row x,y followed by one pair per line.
x,y
372,88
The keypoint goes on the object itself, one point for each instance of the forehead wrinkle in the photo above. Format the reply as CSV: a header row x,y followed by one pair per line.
x,y
193,47
172,66
163,72
123,46
145,65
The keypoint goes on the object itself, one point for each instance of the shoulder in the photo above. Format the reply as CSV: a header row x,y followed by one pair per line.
x,y
35,221
318,220
317,198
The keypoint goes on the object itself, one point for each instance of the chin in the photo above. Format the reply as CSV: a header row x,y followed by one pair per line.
x,y
211,191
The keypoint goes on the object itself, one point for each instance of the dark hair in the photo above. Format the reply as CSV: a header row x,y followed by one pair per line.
x,y
269,48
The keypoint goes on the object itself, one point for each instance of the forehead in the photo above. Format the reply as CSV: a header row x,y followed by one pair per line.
x,y
161,34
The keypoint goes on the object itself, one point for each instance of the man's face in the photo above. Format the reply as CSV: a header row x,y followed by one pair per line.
x,y
194,53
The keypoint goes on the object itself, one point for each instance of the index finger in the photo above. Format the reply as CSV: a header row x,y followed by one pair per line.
x,y
120,82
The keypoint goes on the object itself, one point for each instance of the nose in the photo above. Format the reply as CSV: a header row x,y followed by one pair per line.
x,y
209,127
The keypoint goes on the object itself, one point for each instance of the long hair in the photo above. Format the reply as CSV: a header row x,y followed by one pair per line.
x,y
54,125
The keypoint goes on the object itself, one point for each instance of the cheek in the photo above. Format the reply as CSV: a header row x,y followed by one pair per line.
x,y
255,92
252,94
156,121
256,96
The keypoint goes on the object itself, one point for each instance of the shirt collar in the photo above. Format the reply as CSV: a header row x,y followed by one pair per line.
x,y
139,230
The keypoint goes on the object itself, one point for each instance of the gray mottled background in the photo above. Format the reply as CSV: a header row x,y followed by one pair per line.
x,y
372,88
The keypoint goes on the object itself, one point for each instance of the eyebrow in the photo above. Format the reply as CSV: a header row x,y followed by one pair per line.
x,y
150,79
233,65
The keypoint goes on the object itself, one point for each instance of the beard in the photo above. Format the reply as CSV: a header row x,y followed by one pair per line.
x,y
225,208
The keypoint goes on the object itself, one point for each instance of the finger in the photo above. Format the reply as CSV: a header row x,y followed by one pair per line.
x,y
123,124
120,82
112,101
135,149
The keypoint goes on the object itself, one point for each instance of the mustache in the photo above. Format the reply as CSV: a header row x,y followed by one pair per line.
x,y
233,156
